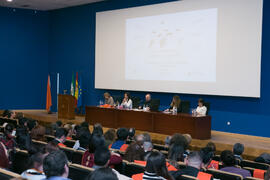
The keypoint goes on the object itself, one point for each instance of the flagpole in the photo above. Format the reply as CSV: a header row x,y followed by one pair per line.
x,y
57,90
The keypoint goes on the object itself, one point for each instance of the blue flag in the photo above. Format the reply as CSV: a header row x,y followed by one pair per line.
x,y
79,102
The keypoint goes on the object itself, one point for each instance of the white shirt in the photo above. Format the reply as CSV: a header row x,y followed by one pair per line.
x,y
32,174
201,110
127,104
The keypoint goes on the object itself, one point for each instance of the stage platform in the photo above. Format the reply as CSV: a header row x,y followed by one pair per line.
x,y
254,145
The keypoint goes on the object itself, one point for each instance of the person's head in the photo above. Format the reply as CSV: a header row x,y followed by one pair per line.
x,y
194,159
36,161
148,97
31,123
107,95
96,141
8,114
227,158
23,122
127,95
188,138
212,146
69,129
200,102
61,134
110,135
147,146
122,134
207,154
23,140
97,129
139,139
8,130
147,137
59,123
238,149
176,153
156,163
18,115
84,138
85,124
56,164
103,173
179,139
51,147
176,101
102,156
134,152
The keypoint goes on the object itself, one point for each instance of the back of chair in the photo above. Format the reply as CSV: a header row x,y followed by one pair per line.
x,y
253,164
77,157
130,169
185,106
222,175
79,172
251,178
207,105
7,175
135,101
49,138
69,143
160,147
69,152
186,177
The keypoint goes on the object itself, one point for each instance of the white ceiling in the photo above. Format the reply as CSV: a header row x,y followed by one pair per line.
x,y
44,4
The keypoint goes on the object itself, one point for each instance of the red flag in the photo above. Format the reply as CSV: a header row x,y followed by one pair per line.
x,y
49,95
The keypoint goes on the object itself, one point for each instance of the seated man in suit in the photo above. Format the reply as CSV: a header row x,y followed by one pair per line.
x,y
149,104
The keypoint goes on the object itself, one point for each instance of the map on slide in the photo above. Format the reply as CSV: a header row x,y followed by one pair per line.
x,y
172,47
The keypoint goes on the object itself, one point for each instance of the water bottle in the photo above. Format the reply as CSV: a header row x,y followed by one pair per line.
x,y
174,110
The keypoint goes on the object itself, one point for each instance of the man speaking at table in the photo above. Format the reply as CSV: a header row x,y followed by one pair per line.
x,y
149,104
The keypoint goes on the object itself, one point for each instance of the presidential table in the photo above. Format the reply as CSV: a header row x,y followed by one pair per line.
x,y
199,127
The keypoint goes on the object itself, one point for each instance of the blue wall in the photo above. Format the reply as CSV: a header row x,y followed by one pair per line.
x,y
23,58
71,42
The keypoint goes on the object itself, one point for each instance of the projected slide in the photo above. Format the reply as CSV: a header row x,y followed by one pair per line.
x,y
172,47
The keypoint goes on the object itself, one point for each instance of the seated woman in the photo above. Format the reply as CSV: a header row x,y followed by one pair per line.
x,y
35,171
108,99
201,109
127,102
155,168
229,162
8,139
176,103
98,141
135,152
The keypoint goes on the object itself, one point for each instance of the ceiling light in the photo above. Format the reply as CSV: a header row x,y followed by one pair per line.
x,y
9,0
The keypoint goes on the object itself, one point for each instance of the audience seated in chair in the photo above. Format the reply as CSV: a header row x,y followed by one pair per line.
x,y
155,168
110,136
55,166
238,150
228,160
120,143
96,142
8,139
194,164
35,171
102,159
60,137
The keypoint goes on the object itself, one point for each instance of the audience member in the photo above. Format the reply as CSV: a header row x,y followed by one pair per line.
x,y
35,171
131,134
97,129
167,141
60,136
194,164
155,168
102,159
55,166
84,140
38,133
134,152
207,156
69,130
238,150
110,137
229,162
8,139
212,146
8,114
175,155
103,174
51,146
120,143
147,137
24,141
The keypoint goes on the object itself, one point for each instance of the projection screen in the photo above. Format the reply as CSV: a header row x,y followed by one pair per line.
x,y
210,47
